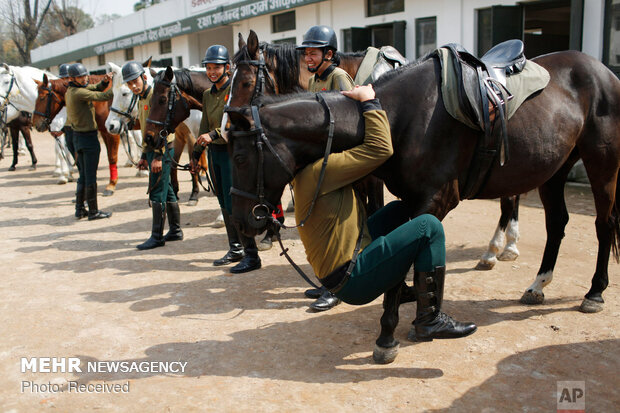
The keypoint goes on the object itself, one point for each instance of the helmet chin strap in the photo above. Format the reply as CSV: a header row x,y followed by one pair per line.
x,y
323,59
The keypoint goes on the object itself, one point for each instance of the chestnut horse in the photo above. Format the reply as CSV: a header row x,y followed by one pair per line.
x,y
286,73
576,116
51,100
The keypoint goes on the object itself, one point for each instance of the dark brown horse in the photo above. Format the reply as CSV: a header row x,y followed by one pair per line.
x,y
22,124
286,72
51,100
183,89
576,116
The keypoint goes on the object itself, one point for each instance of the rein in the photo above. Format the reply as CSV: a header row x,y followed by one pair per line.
x,y
172,99
8,92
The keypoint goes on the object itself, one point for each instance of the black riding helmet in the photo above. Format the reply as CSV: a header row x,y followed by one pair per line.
x,y
63,70
217,54
320,37
131,71
77,69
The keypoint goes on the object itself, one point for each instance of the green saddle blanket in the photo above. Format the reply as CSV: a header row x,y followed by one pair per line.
x,y
521,85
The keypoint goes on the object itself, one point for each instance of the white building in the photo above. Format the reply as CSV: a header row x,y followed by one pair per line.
x,y
178,32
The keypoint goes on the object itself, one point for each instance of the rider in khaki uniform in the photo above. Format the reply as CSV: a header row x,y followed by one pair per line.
x,y
390,242
241,248
81,118
320,45
158,159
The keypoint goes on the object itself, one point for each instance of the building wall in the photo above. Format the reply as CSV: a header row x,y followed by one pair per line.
x,y
456,22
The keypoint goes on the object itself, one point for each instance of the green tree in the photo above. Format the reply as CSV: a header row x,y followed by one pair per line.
x,y
64,19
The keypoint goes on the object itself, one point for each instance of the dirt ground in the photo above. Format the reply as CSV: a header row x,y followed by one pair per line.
x,y
81,289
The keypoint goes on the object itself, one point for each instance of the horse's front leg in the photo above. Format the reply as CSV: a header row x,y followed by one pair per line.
x,y
111,142
386,347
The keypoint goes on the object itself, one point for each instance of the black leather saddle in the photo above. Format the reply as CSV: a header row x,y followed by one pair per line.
x,y
483,96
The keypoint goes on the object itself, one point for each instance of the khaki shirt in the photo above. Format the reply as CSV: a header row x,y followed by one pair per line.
x,y
80,109
331,232
213,102
144,108
333,78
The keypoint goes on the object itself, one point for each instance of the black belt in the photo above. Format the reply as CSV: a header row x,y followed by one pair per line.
x,y
336,279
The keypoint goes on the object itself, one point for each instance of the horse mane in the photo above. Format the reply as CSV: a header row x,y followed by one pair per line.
x,y
59,85
286,66
184,81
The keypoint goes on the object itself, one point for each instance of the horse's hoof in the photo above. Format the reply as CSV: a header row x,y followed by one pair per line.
x,y
57,172
382,355
128,164
12,168
485,265
532,297
142,173
591,306
219,222
62,180
508,255
109,190
33,167
192,202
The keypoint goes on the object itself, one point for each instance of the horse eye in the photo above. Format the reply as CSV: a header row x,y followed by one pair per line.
x,y
124,94
240,159
247,84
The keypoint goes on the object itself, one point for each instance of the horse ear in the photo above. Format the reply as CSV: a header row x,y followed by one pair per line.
x,y
239,119
6,67
169,75
45,80
241,41
39,83
253,44
153,72
148,62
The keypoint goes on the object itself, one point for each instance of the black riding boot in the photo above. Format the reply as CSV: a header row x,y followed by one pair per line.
x,y
91,199
15,156
326,301
251,260
430,322
235,253
80,197
157,230
174,221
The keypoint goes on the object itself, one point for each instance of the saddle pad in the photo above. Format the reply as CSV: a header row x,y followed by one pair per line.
x,y
364,73
522,85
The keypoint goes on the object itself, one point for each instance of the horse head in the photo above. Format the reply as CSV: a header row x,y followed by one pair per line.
x,y
170,105
50,100
293,133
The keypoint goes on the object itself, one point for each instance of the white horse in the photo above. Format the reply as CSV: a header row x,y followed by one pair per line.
x,y
18,92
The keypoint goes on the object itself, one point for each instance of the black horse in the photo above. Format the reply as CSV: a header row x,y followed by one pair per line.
x,y
576,116
284,71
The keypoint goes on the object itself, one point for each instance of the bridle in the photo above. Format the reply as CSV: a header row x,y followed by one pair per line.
x,y
47,116
127,113
263,79
8,92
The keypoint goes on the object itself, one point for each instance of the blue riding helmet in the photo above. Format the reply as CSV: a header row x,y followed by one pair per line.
x,y
77,69
216,54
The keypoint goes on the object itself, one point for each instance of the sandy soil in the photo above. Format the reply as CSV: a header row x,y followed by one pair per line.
x,y
81,289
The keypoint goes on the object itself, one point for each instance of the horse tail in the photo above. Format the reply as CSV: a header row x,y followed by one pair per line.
x,y
614,221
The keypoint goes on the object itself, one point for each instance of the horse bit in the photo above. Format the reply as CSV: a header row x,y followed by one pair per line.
x,y
127,113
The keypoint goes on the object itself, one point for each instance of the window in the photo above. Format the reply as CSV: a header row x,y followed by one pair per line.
x,y
101,59
290,40
129,54
485,30
611,50
425,36
378,7
283,22
165,46
179,61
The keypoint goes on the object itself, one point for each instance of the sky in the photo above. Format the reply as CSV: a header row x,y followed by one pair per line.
x,y
98,7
